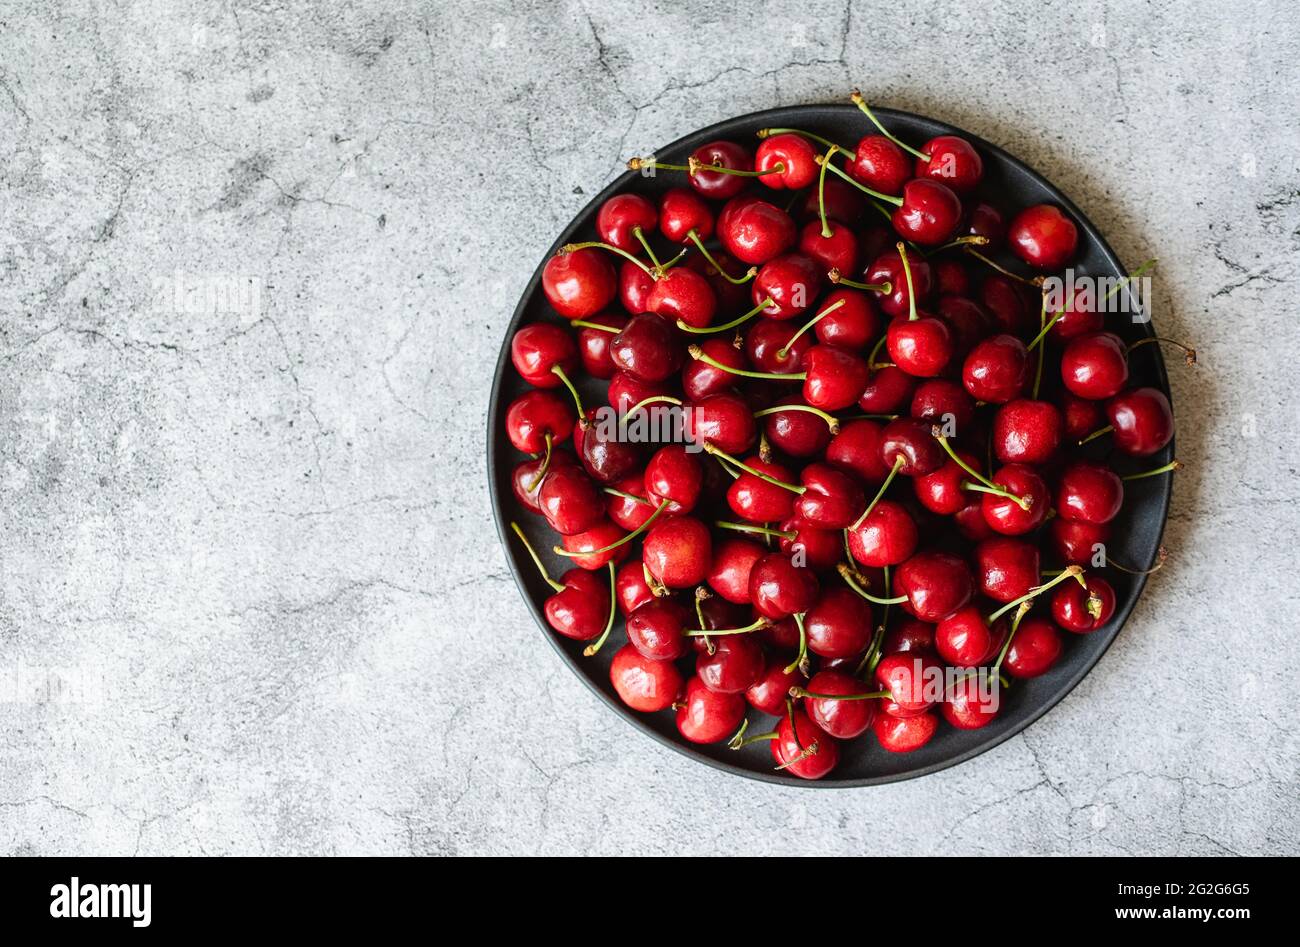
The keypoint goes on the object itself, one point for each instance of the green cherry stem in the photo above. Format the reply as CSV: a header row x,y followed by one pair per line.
x,y
559,373
1101,431
718,452
609,624
1189,353
701,593
694,166
583,323
653,399
1036,281
970,240
907,275
802,692
558,586
846,573
645,245
561,551
712,330
735,744
699,245
997,492
856,99
839,279
824,142
898,462
571,247
627,496
784,350
896,201
800,661
821,189
1167,468
875,350
1006,645
1070,572
1042,321
541,471
707,632
759,530
943,442
697,353
831,421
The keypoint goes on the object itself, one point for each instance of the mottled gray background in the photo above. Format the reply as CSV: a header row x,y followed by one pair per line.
x,y
252,601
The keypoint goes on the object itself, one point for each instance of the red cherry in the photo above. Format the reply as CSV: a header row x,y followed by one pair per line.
x,y
581,609
842,719
1075,542
831,498
1006,301
922,346
579,283
820,547
886,537
760,501
700,379
838,251
733,559
626,389
570,501
648,347
909,679
717,185
804,737
929,213
644,684
534,415
537,348
706,716
940,400
735,665
1006,568
778,587
909,634
911,442
935,583
598,537
966,639
1043,237
888,389
767,339
593,345
942,491
835,378
634,287
904,734
888,268
1026,432
791,282
629,514
621,216
1034,649
953,160
839,625
526,479
1080,416
1083,610
1142,419
658,629
966,319
678,551
676,475
966,707
797,433
986,221
680,212
853,325
952,278
794,154
1095,366
683,295
1089,492
630,587
997,369
769,693
1008,517
754,231
607,458
731,296
724,420
856,450
844,203
970,521
880,164
1078,317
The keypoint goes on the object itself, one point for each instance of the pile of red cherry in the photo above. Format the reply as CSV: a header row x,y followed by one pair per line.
x,y
873,475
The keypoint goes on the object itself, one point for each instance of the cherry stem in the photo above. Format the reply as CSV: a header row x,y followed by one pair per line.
x,y
847,574
627,496
1167,468
801,692
760,530
559,373
541,471
699,244
558,586
665,267
825,142
1148,265
711,330
896,201
613,330
718,452
898,462
856,99
695,166
1042,322
1161,555
875,350
571,247
997,492
801,659
1042,333
609,624
943,442
831,421
698,354
657,588
645,244
839,279
821,189
561,551
907,275
705,632
1096,434
810,750
784,350
1036,281
970,240
653,399
1021,612
756,738
701,593
1070,572
1189,353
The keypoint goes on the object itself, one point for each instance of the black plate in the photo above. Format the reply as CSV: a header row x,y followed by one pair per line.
x,y
1010,185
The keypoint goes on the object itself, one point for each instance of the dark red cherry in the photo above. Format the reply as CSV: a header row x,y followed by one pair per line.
x,y
835,378
942,491
584,545
909,634
888,268
781,634
700,379
537,348
997,369
634,287
680,212
942,401
717,613
1026,432
732,297
888,389
842,719
1005,299
777,587
644,684
966,639
853,325
913,442
797,433
904,734
953,278
674,474
724,420
1043,237
1006,568
534,415
648,347
754,231
970,521
1095,366
717,185
767,339
856,450
1089,492
929,214
1079,316
683,294
821,548
1142,419
839,624
629,514
527,477
1008,517
1080,417
733,559
658,629
757,500
769,694
966,319
831,498
735,665
935,583
791,283
875,239
881,165
1080,609
796,157
581,610
986,221
593,345
953,160
678,551
909,678
838,251
968,707
579,283
626,390
707,716
621,216
570,501
922,346
607,458
886,537
630,587
1034,649
1076,542
803,748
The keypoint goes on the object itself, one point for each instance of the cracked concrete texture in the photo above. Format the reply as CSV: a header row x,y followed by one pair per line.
x,y
256,266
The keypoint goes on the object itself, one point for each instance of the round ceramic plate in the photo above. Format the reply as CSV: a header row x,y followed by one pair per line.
x,y
1009,185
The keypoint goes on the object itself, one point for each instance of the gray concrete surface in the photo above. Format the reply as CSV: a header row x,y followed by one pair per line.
x,y
256,264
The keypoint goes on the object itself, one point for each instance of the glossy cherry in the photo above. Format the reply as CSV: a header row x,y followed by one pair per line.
x,y
634,288
911,444
579,283
733,559
700,379
769,693
682,212
936,584
953,161
757,500
1076,542
888,268
658,629
803,748
968,707
922,346
648,347
1034,648
887,390
581,609
754,231
777,587
771,346
1027,431
831,498
943,491
839,624
1079,416
570,501
997,369
620,217
1142,419
886,537
1090,492
707,716
904,734
678,551
834,248
842,719
1006,567
683,295
908,634
822,548
642,683
908,678
630,587
593,345
929,213
881,165
794,155
1078,316
724,420
585,546
851,321
790,283
966,639
834,378
735,665
534,416
1012,518
1095,366
1043,237
538,348
856,450
1080,609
